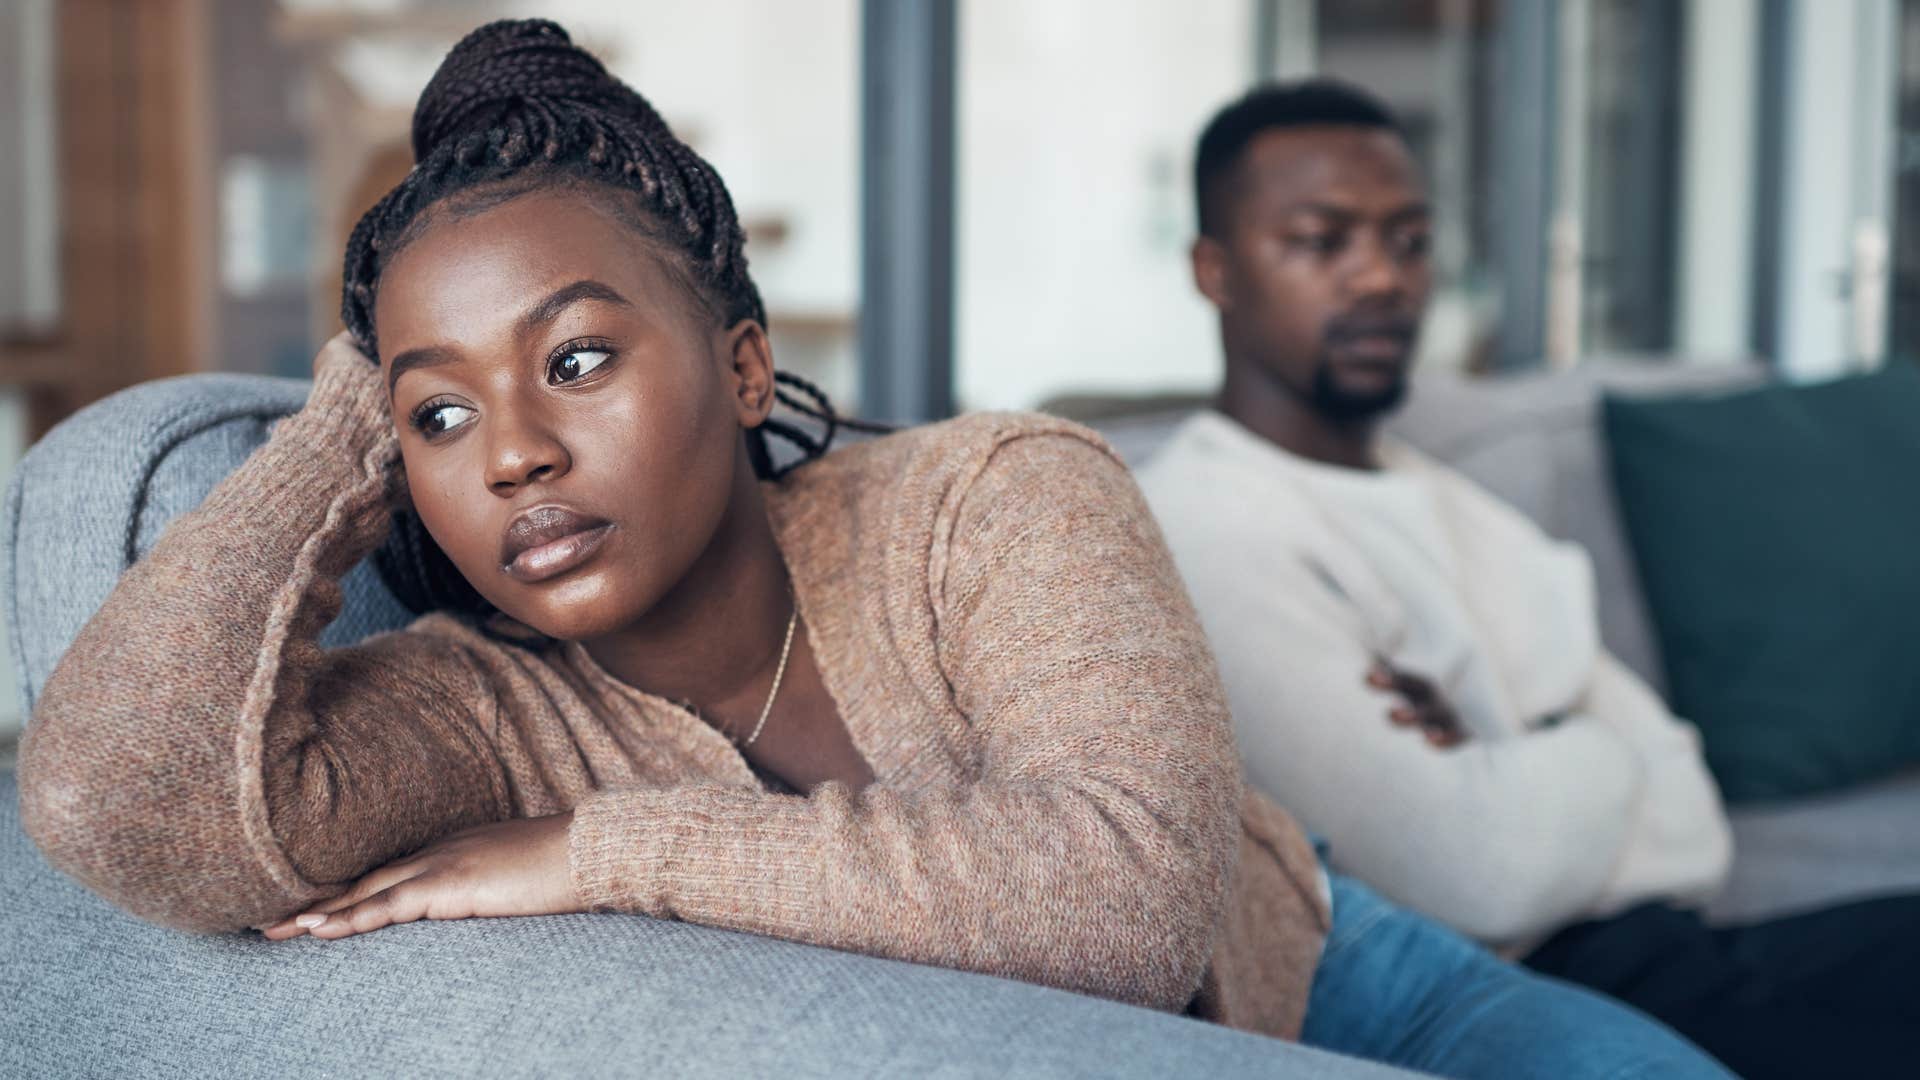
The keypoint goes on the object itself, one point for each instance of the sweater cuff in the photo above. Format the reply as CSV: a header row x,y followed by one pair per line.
x,y
729,857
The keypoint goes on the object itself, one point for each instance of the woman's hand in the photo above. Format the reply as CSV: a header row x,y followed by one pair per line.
x,y
340,344
514,867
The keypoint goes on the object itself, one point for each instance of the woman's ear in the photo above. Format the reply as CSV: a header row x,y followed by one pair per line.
x,y
750,365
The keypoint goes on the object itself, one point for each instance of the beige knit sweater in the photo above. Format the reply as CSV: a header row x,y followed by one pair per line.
x,y
992,609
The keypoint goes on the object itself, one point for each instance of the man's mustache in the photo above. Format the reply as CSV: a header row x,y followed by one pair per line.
x,y
1345,329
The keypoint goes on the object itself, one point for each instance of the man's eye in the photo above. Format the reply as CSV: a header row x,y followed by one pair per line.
x,y
440,419
1414,245
1318,243
572,365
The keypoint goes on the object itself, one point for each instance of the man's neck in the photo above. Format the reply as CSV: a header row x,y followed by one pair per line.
x,y
1262,405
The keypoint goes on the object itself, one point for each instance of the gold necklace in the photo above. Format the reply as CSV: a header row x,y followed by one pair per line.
x,y
779,673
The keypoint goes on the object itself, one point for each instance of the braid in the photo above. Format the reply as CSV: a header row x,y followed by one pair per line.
x,y
517,106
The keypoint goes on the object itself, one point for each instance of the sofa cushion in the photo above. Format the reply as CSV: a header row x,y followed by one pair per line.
x,y
1779,534
1796,856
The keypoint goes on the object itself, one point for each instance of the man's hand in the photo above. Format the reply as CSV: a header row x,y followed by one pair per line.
x,y
1422,705
514,867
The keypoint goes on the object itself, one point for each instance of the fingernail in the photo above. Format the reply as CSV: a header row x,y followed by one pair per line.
x,y
309,921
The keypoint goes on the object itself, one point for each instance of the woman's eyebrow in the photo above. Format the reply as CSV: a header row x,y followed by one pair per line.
x,y
537,316
565,296
430,356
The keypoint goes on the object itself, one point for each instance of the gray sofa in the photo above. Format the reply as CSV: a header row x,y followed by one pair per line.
x,y
87,991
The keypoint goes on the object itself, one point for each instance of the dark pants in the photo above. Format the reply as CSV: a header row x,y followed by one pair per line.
x,y
1830,993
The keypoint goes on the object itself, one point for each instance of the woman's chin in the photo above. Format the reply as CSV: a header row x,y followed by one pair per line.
x,y
574,611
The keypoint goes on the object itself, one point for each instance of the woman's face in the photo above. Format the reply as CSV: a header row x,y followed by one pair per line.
x,y
570,417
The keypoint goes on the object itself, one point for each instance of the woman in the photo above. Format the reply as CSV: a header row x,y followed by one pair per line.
x,y
938,697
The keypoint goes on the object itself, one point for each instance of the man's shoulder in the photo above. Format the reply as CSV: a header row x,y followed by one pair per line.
x,y
1218,503
1203,459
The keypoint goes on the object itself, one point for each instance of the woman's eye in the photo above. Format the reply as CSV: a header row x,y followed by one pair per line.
x,y
440,419
572,365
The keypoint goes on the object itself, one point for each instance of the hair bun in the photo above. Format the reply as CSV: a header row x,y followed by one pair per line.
x,y
497,68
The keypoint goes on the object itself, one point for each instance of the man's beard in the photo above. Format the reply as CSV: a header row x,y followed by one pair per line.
x,y
1339,404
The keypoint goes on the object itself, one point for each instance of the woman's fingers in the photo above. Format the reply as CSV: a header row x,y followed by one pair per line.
x,y
371,884
432,895
339,344
399,904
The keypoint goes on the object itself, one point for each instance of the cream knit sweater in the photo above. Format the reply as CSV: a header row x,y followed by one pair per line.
x,y
1577,793
1057,797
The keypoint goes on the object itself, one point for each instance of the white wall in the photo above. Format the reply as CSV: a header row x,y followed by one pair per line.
x,y
769,93
1076,127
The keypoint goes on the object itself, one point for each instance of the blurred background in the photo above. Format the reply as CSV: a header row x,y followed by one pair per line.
x,y
963,204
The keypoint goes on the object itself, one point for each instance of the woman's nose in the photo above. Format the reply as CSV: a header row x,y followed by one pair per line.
x,y
522,453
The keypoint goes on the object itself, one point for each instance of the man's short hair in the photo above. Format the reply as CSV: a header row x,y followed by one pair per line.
x,y
1306,103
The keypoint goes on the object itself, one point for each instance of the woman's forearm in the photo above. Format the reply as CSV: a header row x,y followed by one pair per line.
x,y
175,742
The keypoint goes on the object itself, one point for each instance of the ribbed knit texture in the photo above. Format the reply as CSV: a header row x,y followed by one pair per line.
x,y
992,609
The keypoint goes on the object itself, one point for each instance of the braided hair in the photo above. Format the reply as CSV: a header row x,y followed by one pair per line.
x,y
515,107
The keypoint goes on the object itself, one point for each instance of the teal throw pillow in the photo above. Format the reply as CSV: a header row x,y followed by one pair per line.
x,y
1777,533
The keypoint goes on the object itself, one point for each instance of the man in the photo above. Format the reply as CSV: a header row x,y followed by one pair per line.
x,y
1415,669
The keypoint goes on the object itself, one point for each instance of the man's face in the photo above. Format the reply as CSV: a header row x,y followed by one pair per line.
x,y
1320,267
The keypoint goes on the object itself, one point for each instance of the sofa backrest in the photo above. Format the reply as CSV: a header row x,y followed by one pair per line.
x,y
93,495
1534,440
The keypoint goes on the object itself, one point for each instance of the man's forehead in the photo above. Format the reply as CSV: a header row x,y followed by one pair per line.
x,y
1330,165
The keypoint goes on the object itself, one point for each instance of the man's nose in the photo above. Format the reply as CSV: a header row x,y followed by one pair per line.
x,y
1373,271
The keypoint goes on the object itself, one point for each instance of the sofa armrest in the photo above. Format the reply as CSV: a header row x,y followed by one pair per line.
x,y
93,496
89,991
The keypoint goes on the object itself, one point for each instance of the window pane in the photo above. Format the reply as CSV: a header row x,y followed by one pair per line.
x,y
1631,176
1434,65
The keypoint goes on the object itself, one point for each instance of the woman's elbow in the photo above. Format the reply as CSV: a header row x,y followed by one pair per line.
x,y
1150,939
103,821
1157,963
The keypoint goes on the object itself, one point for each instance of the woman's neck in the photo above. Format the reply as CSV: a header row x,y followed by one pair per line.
x,y
714,640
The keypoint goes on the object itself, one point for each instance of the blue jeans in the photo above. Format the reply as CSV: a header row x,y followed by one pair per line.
x,y
1401,989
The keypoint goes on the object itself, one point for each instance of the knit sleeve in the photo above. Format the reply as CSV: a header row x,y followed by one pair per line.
x,y
1093,849
197,758
1680,845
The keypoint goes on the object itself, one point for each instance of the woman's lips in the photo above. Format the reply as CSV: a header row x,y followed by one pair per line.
x,y
549,540
556,557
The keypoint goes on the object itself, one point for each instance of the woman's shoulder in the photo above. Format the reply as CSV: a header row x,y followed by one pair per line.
x,y
906,498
